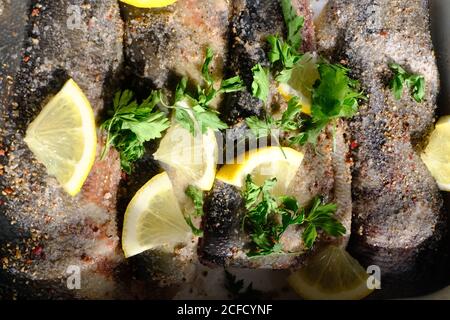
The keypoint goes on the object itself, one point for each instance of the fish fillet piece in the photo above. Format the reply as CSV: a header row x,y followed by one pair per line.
x,y
324,172
46,235
163,44
398,220
325,169
252,21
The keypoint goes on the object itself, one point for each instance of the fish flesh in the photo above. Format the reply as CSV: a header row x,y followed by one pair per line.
x,y
47,236
399,223
161,46
324,171
251,23
164,44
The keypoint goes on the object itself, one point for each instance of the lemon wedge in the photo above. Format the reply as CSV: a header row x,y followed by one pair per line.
x,y
331,274
263,164
153,218
63,137
436,155
149,3
301,83
192,159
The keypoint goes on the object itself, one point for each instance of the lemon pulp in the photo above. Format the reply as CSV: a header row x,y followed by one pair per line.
x,y
63,137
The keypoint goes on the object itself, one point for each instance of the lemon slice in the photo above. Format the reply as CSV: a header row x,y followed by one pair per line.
x,y
437,153
192,159
149,3
301,83
153,218
263,164
331,274
63,137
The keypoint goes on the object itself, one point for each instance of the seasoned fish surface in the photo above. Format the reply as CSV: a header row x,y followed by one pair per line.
x,y
252,21
166,43
46,235
398,220
324,172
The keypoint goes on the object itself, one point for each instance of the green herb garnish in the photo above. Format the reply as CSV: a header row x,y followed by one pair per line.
x,y
196,195
236,288
131,125
192,110
415,83
335,95
289,121
294,24
260,85
267,218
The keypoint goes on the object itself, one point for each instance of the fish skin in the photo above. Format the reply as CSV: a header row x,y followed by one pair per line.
x,y
252,21
43,230
161,45
399,223
324,171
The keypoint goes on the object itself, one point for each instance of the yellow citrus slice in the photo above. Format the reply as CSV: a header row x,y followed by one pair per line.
x,y
192,159
301,83
63,137
263,164
149,3
437,153
153,218
331,274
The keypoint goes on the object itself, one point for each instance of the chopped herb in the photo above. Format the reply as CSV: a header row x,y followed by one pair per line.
x,y
283,58
335,95
289,121
196,231
260,85
193,110
235,288
415,83
321,216
294,24
267,218
196,195
131,125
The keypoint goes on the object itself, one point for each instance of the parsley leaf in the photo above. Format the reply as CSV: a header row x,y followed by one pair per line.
x,y
289,121
196,231
335,95
193,111
235,288
294,24
260,85
283,58
401,78
196,195
133,124
267,218
321,216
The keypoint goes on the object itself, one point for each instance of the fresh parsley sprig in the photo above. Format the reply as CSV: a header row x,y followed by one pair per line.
x,y
196,195
334,95
401,79
236,288
289,121
131,125
294,24
193,110
267,218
